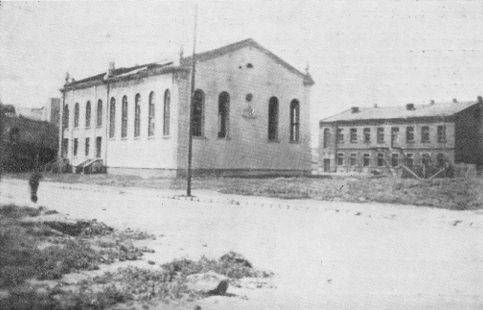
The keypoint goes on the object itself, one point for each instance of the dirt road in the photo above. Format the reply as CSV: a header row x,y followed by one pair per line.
x,y
326,255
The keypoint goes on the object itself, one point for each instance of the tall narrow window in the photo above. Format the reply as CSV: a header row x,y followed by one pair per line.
x,y
409,134
366,160
99,113
124,117
441,161
340,135
394,136
166,112
112,117
152,99
340,159
395,160
273,119
137,115
426,159
197,113
367,135
425,134
223,114
380,159
380,135
410,160
353,159
88,114
98,146
441,134
326,137
76,146
353,135
87,146
65,117
294,120
76,115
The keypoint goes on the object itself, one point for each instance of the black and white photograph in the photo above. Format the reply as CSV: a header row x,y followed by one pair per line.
x,y
252,154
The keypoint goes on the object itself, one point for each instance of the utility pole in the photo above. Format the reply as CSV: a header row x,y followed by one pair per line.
x,y
190,136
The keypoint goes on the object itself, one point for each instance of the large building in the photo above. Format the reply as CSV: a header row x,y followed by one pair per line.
x,y
250,115
377,138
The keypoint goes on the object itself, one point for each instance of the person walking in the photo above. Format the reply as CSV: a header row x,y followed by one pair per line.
x,y
34,185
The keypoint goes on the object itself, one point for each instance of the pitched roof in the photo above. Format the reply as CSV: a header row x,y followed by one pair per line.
x,y
157,68
401,112
217,52
119,73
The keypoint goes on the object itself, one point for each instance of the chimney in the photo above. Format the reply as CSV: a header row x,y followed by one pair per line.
x,y
410,106
455,100
110,68
431,102
354,109
480,99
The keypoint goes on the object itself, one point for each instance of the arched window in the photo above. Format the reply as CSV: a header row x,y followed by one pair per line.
x,y
294,120
166,110
88,114
326,137
99,113
65,117
223,114
112,117
273,119
197,113
152,99
137,115
124,117
76,115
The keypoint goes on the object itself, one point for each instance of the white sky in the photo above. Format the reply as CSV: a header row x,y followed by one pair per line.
x,y
359,52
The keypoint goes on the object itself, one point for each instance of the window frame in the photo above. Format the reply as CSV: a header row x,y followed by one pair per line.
x,y
366,133
112,118
425,134
198,119
441,133
294,121
88,114
410,134
137,116
273,119
124,117
151,114
380,133
99,113
166,112
76,115
353,135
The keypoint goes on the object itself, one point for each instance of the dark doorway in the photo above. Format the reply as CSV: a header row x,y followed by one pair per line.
x,y
326,165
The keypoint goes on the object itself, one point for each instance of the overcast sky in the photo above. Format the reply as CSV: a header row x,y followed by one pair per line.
x,y
359,52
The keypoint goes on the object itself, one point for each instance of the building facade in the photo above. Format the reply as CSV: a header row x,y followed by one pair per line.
x,y
250,115
381,138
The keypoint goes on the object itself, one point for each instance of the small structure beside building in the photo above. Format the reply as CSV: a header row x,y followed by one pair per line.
x,y
250,116
382,139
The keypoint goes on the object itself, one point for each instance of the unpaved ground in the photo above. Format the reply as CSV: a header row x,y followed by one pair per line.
x,y
326,255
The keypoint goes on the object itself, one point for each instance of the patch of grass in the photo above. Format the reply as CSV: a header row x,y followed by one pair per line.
x,y
22,257
449,193
13,211
233,269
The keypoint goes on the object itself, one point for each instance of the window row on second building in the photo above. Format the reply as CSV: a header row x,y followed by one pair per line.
x,y
425,135
394,159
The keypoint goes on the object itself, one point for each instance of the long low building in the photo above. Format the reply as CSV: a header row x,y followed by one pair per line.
x,y
250,115
365,139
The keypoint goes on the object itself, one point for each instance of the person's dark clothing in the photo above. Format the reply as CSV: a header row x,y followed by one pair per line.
x,y
34,185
